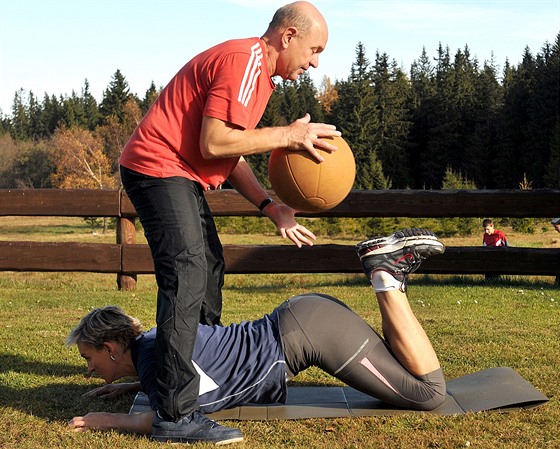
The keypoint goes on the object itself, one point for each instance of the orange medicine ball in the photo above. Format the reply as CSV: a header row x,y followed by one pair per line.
x,y
307,185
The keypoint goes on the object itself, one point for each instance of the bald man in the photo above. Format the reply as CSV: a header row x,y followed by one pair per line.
x,y
192,140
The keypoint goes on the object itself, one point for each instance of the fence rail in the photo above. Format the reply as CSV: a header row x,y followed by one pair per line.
x,y
127,259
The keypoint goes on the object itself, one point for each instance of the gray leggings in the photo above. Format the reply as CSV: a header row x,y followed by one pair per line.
x,y
319,330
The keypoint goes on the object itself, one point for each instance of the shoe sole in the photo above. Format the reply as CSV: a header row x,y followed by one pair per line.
x,y
233,440
378,246
175,441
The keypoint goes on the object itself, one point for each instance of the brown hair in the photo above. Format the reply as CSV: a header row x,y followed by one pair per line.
x,y
109,323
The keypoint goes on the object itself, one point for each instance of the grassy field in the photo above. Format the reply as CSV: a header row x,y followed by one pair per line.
x,y
473,325
77,230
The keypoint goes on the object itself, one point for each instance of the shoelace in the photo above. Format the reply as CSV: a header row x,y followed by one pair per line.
x,y
413,265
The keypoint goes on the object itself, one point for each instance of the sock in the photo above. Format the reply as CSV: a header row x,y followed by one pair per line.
x,y
384,281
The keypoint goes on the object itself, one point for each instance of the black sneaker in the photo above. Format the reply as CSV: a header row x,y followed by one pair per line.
x,y
192,429
400,254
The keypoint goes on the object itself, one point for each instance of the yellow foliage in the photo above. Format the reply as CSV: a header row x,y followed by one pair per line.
x,y
328,94
80,160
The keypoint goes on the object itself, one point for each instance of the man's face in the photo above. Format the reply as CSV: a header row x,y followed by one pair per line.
x,y
489,229
302,52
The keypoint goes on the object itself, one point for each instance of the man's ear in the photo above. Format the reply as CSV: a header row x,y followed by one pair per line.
x,y
287,36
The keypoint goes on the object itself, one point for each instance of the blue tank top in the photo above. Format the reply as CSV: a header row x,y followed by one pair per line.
x,y
238,364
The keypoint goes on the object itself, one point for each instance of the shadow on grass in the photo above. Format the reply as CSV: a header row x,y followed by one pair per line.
x,y
51,401
59,401
17,363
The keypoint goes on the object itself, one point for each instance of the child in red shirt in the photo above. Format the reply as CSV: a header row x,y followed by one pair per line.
x,y
492,237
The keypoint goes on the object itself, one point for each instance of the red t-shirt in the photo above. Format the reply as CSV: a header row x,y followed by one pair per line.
x,y
496,239
229,82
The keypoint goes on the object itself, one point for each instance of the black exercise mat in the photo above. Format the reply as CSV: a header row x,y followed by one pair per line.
x,y
499,389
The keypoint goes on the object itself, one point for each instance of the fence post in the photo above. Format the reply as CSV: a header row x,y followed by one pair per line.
x,y
126,235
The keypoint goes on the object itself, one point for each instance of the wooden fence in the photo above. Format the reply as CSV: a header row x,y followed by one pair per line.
x,y
126,258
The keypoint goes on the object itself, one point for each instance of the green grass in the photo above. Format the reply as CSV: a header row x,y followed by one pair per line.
x,y
473,326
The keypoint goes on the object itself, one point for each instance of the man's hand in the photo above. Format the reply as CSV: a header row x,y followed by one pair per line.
x,y
304,135
284,218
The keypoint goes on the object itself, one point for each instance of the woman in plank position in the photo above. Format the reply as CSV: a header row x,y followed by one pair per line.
x,y
250,362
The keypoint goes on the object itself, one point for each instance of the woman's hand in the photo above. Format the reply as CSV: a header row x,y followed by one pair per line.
x,y
128,422
92,421
111,391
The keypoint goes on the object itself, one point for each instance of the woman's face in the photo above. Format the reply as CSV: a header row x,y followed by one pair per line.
x,y
99,361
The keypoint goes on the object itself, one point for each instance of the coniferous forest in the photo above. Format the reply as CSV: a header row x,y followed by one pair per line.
x,y
450,117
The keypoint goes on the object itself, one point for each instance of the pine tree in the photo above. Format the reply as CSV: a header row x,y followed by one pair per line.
x,y
73,110
115,97
307,98
91,114
20,117
5,124
552,174
435,117
297,99
512,159
481,140
272,117
465,104
392,91
355,115
149,97
551,177
423,104
37,128
53,113
544,113
441,132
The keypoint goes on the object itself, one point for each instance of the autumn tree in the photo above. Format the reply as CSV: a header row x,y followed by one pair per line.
x,y
115,133
327,94
80,160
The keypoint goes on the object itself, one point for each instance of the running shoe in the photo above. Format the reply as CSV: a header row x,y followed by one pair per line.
x,y
400,254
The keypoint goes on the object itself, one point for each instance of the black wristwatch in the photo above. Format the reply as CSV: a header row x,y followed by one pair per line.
x,y
265,203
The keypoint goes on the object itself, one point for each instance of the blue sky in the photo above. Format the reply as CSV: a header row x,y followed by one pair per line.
x,y
52,46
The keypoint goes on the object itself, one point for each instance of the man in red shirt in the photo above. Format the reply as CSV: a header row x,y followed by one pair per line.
x,y
192,140
492,237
